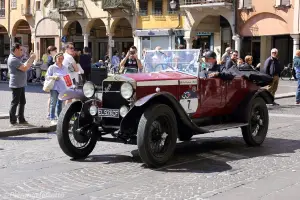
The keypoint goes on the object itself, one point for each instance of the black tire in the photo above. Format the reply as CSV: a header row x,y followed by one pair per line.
x,y
258,115
157,114
63,134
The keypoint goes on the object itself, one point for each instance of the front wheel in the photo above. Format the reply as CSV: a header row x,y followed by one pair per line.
x,y
157,135
256,131
74,143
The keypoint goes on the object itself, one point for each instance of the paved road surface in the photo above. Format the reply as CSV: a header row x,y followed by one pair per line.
x,y
214,166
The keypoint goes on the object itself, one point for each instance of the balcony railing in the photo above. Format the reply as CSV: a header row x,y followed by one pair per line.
x,y
206,3
26,10
2,12
118,4
70,5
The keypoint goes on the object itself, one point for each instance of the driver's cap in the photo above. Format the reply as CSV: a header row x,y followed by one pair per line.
x,y
210,54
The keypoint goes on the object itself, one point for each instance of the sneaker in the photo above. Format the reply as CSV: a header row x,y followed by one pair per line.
x,y
53,122
298,103
275,104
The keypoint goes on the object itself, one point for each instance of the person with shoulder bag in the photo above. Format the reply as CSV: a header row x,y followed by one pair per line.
x,y
56,72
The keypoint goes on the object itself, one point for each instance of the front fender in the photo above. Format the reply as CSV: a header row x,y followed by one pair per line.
x,y
164,98
72,94
266,95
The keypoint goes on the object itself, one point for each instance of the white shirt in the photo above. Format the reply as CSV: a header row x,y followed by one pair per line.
x,y
68,60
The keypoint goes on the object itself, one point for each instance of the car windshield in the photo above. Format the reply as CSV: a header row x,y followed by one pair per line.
x,y
183,60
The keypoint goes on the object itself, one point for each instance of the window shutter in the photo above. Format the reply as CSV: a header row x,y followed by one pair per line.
x,y
247,3
285,2
241,3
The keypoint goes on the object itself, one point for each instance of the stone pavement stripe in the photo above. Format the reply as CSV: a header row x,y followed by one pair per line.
x,y
285,95
283,115
4,115
27,130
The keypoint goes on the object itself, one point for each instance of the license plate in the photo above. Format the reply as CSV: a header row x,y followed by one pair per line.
x,y
105,112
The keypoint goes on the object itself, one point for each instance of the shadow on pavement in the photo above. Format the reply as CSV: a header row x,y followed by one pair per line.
x,y
25,138
209,155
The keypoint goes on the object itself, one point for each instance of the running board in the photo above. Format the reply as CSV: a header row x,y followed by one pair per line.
x,y
221,127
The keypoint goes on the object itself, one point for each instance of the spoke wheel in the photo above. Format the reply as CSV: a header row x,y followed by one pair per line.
x,y
157,135
74,143
258,123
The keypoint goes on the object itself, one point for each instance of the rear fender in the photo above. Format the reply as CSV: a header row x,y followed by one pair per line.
x,y
183,120
72,94
242,109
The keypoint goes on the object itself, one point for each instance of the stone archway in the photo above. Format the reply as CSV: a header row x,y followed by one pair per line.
x,y
121,30
97,37
212,32
21,33
5,43
73,32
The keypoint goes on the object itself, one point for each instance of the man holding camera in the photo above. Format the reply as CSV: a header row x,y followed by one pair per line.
x,y
17,83
131,62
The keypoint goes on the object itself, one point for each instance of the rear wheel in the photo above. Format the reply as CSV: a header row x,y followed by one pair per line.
x,y
256,131
157,135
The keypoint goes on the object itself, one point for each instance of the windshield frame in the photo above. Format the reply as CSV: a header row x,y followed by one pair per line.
x,y
194,61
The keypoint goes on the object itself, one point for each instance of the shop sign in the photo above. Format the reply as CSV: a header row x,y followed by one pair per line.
x,y
204,33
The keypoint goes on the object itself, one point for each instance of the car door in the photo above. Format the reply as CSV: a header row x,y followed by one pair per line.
x,y
235,92
212,96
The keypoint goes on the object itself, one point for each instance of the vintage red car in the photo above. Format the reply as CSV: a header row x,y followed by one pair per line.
x,y
169,101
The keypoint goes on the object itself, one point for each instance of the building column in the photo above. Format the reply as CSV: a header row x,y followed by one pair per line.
x,y
296,38
110,36
189,42
237,43
86,40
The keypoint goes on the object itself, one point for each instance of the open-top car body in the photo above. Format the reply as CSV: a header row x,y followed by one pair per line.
x,y
173,99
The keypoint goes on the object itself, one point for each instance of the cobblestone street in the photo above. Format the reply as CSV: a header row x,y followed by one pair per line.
x,y
213,166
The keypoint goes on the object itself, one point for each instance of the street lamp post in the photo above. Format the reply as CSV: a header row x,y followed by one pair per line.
x,y
173,5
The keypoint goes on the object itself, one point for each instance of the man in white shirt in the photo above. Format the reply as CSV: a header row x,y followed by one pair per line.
x,y
70,62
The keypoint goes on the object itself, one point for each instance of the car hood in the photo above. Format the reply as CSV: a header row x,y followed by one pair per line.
x,y
158,76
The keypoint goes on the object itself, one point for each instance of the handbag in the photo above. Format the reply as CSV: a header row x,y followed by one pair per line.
x,y
48,85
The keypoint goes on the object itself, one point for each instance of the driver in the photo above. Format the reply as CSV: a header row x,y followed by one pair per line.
x,y
131,60
213,69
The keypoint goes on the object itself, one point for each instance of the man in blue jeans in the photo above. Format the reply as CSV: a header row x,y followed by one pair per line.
x,y
17,83
296,64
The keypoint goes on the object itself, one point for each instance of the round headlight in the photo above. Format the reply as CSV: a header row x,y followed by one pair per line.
x,y
126,90
123,111
93,110
88,89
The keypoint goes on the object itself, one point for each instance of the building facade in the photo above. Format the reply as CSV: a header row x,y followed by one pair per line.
x,y
264,25
16,25
210,24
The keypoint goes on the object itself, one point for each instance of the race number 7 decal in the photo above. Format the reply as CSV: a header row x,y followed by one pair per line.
x,y
189,103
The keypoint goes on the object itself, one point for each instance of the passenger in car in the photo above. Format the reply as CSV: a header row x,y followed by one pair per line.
x,y
213,69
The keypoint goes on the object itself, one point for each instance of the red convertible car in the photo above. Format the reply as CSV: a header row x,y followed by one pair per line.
x,y
170,100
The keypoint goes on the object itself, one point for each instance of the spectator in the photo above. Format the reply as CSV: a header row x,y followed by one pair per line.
x,y
226,55
115,62
240,61
69,61
272,68
85,61
232,61
52,51
131,60
17,83
296,64
56,72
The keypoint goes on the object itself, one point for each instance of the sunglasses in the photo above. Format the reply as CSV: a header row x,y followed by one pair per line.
x,y
72,48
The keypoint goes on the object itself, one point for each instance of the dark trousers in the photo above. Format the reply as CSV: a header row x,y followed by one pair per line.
x,y
18,99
